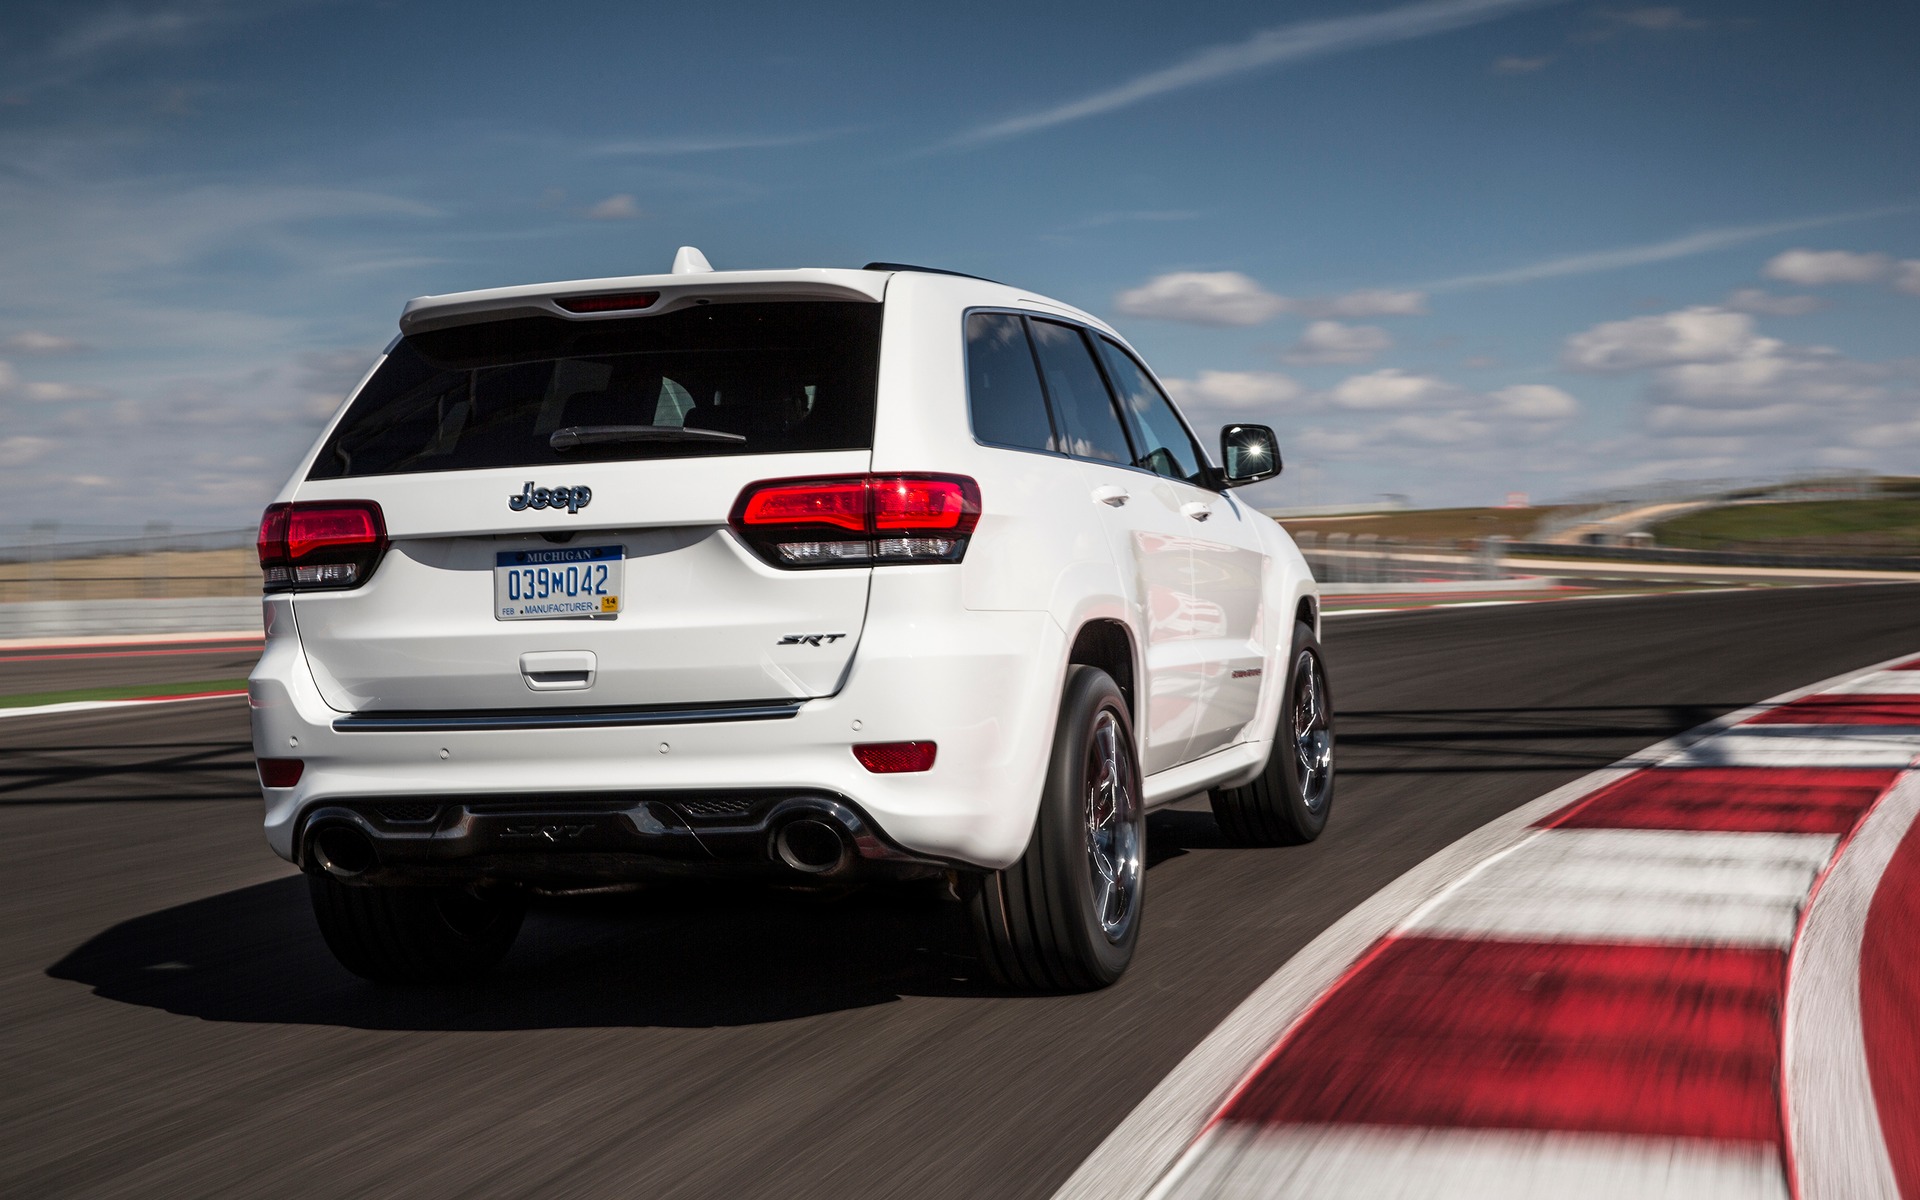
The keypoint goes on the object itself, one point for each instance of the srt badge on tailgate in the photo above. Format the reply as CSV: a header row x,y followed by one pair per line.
x,y
573,499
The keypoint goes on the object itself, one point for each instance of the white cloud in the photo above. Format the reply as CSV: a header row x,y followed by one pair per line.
x,y
1699,334
1906,276
62,393
19,450
1388,388
1366,302
1202,298
1231,298
1236,390
1331,342
1767,304
33,341
1535,402
1813,268
1683,419
1773,371
1654,19
1621,257
1268,48
715,143
621,207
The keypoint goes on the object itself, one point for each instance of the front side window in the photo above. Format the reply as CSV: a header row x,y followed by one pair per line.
x,y
1166,448
1080,398
1003,384
768,377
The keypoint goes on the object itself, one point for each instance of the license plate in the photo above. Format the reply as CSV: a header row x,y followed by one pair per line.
x,y
563,582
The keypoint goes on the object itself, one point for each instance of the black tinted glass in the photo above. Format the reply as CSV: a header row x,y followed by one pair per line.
x,y
1003,385
1079,395
1165,446
785,377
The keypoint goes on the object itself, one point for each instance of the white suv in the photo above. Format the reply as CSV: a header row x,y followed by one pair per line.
x,y
815,576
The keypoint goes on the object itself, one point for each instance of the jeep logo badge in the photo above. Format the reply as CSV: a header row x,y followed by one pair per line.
x,y
573,499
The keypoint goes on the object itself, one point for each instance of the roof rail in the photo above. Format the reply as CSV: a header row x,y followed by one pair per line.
x,y
893,266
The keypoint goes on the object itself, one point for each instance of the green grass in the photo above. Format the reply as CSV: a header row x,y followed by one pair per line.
x,y
1875,525
123,692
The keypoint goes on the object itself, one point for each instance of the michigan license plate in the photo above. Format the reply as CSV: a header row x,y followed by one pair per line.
x,y
562,582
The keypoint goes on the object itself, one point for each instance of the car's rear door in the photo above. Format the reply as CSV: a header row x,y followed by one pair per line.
x,y
1226,649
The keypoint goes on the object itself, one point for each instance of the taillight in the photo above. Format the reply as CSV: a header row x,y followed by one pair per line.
x,y
858,520
320,544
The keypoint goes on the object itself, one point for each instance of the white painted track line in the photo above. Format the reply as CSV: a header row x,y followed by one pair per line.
x,y
1359,1163
74,706
1840,1151
1637,885
1881,683
1802,746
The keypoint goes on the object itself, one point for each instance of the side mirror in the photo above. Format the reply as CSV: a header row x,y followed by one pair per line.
x,y
1248,454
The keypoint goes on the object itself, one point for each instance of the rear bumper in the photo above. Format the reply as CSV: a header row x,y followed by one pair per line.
x,y
983,685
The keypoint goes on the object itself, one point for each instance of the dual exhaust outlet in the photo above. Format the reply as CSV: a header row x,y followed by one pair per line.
x,y
808,843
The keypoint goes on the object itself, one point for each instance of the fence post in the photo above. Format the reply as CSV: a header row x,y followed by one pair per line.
x,y
153,564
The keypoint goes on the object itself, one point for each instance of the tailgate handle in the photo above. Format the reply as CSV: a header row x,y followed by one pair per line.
x,y
558,670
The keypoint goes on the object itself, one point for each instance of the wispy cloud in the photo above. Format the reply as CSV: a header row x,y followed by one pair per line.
x,y
1704,242
713,144
1267,48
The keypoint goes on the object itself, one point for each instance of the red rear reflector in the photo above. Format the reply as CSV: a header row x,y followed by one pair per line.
x,y
895,758
609,302
280,772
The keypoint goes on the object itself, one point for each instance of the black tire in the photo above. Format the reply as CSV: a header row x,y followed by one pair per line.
x,y
414,934
1044,923
1288,803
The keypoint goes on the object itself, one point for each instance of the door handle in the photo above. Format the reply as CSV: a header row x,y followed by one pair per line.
x,y
1197,510
1111,494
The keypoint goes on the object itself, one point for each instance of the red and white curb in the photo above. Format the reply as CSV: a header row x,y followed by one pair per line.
x,y
1689,974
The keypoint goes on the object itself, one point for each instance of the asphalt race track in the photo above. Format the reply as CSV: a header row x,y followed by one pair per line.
x,y
170,1023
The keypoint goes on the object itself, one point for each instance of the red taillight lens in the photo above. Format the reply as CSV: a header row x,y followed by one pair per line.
x,y
915,504
280,772
320,544
608,302
896,758
839,503
859,520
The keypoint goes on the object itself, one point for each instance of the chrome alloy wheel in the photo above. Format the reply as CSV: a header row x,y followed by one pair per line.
x,y
1312,731
1111,802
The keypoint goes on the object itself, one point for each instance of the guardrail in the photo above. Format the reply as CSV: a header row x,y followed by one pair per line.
x,y
1718,558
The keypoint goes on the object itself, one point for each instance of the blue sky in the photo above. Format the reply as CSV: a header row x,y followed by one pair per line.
x,y
1449,249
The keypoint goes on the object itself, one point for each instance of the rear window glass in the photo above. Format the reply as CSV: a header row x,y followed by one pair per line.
x,y
1080,397
719,379
1003,385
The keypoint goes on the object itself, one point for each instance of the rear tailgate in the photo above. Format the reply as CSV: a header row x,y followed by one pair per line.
x,y
649,427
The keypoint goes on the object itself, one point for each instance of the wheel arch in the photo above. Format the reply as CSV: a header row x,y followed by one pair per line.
x,y
1107,643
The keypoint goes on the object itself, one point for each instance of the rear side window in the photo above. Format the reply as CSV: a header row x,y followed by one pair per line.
x,y
1003,385
781,377
1080,398
1166,448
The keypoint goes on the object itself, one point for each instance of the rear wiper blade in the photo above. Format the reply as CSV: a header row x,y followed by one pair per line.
x,y
596,435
